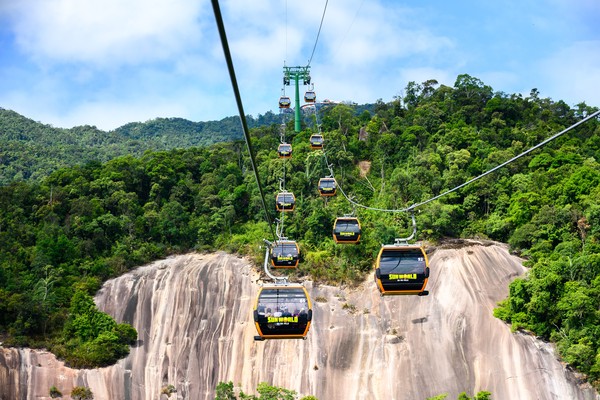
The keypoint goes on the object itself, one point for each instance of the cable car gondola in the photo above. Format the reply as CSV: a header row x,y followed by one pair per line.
x,y
327,187
285,254
282,312
310,96
402,269
284,102
284,150
316,141
346,230
285,201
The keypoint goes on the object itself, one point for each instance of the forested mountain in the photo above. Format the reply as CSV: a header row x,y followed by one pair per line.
x,y
67,233
32,150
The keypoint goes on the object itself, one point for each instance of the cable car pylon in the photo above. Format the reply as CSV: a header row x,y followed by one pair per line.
x,y
296,74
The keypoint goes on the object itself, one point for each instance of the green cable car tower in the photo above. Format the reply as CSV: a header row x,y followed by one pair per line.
x,y
296,74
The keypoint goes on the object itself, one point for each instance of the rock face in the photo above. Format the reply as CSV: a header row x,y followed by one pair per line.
x,y
193,314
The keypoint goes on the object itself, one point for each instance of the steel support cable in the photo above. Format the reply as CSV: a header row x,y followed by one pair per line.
x,y
318,33
412,207
537,146
329,166
238,99
335,55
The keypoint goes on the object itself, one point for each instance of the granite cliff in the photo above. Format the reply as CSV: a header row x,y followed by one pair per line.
x,y
193,314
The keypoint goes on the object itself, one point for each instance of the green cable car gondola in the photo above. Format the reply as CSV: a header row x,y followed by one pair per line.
x,y
285,201
316,141
284,150
402,269
346,230
285,254
327,187
282,312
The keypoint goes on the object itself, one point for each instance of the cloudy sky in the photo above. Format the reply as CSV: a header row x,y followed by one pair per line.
x,y
109,62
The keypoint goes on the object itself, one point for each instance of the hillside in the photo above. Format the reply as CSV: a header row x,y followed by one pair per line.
x,y
33,150
62,236
194,315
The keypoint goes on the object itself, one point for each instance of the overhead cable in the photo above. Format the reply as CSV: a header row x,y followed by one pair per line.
x,y
238,99
412,207
318,33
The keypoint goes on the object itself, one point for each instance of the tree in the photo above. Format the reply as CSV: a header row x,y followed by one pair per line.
x,y
225,391
268,392
82,393
168,390
54,392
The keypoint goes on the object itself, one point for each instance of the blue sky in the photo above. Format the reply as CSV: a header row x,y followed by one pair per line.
x,y
109,62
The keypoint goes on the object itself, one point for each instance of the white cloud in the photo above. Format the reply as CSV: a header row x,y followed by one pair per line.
x,y
106,32
108,62
572,74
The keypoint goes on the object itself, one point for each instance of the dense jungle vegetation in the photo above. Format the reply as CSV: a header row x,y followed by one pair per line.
x,y
62,236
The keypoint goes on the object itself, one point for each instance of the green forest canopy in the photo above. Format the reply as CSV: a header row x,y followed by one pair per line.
x,y
30,150
71,231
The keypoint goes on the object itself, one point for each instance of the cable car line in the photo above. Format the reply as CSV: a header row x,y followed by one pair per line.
x,y
269,326
318,33
238,99
508,161
400,268
335,55
415,205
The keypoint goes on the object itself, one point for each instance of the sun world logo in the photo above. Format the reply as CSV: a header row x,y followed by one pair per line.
x,y
273,320
403,276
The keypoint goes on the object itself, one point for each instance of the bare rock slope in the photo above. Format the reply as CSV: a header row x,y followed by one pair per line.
x,y
193,315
